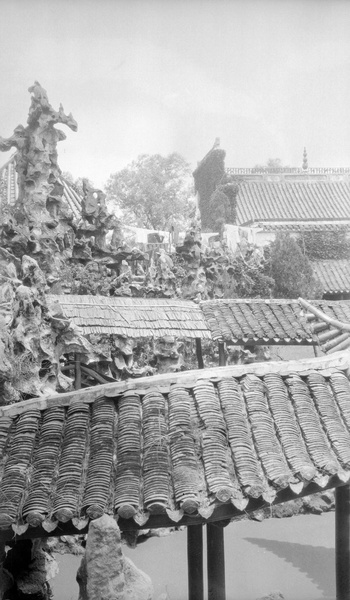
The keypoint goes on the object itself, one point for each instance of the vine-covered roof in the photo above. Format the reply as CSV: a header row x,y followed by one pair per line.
x,y
176,448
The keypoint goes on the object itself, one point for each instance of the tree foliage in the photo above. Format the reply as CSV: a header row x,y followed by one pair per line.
x,y
291,269
208,176
223,204
271,163
250,279
153,191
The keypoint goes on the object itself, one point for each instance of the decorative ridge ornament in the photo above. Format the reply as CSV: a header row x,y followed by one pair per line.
x,y
305,161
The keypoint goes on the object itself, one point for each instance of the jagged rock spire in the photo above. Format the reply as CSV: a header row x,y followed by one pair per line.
x,y
36,160
305,162
35,224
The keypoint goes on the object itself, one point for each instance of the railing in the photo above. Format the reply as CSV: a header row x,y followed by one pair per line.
x,y
286,170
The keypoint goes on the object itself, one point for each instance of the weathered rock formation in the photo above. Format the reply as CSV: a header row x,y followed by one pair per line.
x,y
27,569
74,241
32,337
105,573
79,245
38,224
6,579
315,504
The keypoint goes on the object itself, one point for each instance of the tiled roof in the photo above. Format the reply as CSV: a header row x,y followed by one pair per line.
x,y
8,178
259,201
240,321
267,321
231,320
334,275
175,448
134,317
257,321
329,323
302,226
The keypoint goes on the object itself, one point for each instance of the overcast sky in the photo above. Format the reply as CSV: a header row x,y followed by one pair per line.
x,y
267,77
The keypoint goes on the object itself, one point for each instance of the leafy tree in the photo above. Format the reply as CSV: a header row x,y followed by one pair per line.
x,y
271,163
250,279
290,269
153,191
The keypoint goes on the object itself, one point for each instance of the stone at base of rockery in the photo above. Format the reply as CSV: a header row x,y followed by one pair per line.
x,y
105,573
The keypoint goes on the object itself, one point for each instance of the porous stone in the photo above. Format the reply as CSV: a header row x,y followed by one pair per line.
x,y
138,585
27,569
6,579
105,574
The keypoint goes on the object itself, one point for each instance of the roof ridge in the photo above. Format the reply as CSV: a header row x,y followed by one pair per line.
x,y
188,379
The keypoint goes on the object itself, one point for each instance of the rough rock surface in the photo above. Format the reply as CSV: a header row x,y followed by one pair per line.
x,y
79,247
32,337
105,574
6,579
28,567
32,226
315,504
138,585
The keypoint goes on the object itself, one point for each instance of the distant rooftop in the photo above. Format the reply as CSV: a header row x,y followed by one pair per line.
x,y
134,317
288,171
278,194
334,275
293,200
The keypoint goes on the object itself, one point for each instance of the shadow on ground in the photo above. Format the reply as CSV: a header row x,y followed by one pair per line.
x,y
317,562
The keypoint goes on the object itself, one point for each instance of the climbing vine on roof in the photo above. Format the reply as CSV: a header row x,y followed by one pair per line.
x,y
323,245
207,177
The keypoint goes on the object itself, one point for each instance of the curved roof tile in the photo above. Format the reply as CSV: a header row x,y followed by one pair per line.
x,y
175,448
133,317
256,320
329,324
300,201
334,275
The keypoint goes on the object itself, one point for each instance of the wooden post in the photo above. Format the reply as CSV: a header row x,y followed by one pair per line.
x,y
342,542
216,562
195,535
222,357
195,562
199,353
77,382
